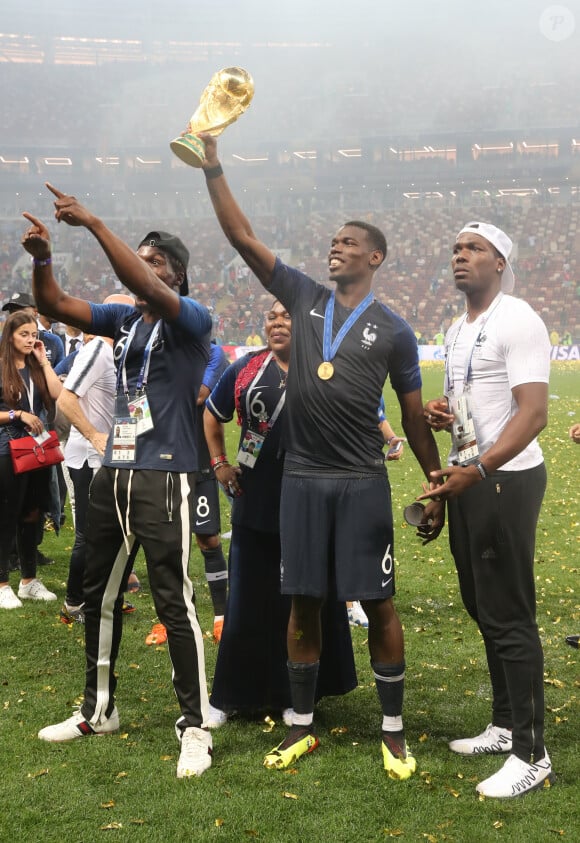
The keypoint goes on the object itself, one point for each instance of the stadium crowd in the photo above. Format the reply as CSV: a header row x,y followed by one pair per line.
x,y
416,280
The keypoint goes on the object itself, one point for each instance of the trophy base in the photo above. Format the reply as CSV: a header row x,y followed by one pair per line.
x,y
190,149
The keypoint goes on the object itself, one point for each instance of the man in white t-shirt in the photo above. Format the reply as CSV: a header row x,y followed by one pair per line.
x,y
496,403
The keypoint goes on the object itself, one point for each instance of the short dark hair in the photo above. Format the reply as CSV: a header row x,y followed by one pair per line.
x,y
375,235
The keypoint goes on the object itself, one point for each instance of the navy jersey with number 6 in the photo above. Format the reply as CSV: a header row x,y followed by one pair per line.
x,y
178,359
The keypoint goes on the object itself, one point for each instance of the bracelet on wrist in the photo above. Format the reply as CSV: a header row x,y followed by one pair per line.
x,y
389,440
42,262
11,416
481,468
218,462
213,172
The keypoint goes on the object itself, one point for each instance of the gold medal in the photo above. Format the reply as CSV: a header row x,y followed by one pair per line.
x,y
325,370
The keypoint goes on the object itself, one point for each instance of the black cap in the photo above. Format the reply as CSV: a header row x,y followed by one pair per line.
x,y
173,246
19,301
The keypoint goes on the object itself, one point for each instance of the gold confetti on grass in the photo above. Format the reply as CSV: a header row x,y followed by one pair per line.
x,y
498,824
288,795
38,774
218,822
111,827
108,805
393,832
339,730
557,683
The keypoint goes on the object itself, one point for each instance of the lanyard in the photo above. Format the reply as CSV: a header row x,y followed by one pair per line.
x,y
330,348
144,371
467,370
29,387
279,405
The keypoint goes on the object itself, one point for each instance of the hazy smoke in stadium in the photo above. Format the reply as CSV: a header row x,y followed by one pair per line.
x,y
353,63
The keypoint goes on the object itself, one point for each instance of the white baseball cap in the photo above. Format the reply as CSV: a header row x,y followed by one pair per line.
x,y
502,243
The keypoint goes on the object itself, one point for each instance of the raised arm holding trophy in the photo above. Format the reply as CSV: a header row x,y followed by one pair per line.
x,y
227,96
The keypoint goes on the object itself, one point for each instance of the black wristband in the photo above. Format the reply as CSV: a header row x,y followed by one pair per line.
x,y
214,172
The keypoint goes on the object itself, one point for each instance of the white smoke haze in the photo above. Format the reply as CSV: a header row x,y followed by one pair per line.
x,y
417,115
320,68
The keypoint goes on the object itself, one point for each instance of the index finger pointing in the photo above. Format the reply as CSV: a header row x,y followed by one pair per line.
x,y
32,219
53,189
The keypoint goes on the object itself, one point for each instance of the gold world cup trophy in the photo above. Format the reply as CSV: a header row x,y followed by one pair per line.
x,y
227,96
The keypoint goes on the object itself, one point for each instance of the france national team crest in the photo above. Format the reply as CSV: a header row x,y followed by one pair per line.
x,y
369,336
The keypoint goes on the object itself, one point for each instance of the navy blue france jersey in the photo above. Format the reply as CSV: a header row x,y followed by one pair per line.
x,y
178,360
331,425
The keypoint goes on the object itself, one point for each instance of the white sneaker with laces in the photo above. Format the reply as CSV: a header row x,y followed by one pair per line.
x,y
78,727
216,718
288,717
493,741
356,615
35,590
517,777
196,752
8,600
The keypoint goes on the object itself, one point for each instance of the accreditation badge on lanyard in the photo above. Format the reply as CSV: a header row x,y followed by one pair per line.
x,y
251,444
124,447
463,429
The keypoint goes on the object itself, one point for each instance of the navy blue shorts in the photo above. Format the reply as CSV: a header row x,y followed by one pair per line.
x,y
342,525
206,506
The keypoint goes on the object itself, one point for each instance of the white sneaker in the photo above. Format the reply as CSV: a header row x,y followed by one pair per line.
x,y
356,615
78,727
494,740
35,590
196,752
216,718
517,777
8,600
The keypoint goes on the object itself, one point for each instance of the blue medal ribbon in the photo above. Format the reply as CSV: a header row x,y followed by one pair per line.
x,y
329,348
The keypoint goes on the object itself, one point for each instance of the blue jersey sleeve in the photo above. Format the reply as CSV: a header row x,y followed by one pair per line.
x,y
194,318
218,363
222,401
288,284
54,347
106,318
404,370
64,367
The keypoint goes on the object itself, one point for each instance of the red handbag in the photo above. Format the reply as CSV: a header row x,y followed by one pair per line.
x,y
28,455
